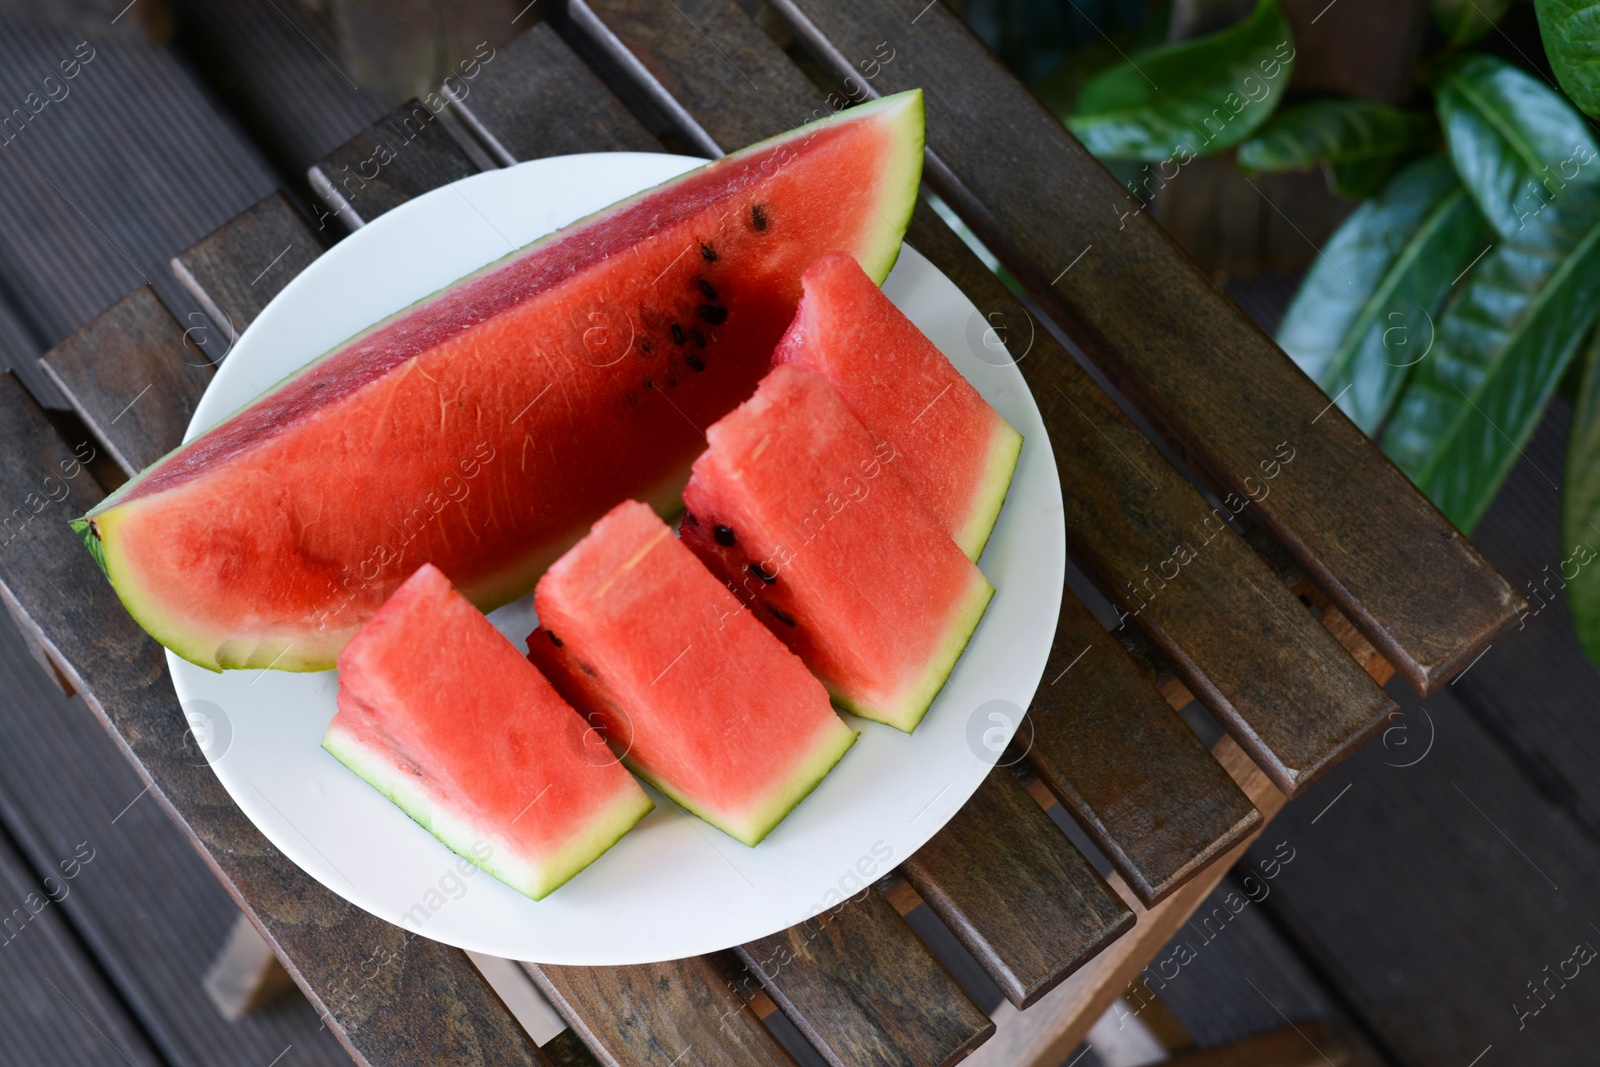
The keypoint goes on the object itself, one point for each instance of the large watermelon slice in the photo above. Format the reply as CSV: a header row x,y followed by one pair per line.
x,y
443,716
807,517
956,450
484,428
692,692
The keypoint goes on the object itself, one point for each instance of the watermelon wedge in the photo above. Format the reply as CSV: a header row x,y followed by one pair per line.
x,y
484,428
692,692
807,518
956,451
442,715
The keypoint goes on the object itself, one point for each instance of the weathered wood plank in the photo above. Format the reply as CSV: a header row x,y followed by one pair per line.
x,y
401,156
363,975
540,100
684,1012
246,262
1015,892
861,986
131,378
50,988
1171,339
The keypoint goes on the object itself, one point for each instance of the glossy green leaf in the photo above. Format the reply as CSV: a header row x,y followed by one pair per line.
x,y
1571,32
1464,21
1516,142
1580,509
1362,142
1189,99
1364,316
1362,178
1503,342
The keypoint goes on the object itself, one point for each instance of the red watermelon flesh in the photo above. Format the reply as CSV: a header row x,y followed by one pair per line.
x,y
442,715
806,516
691,692
955,450
484,428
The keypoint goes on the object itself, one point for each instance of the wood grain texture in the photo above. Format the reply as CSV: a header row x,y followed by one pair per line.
x,y
1126,766
132,378
684,1012
538,99
1172,341
247,261
1260,660
401,156
363,975
1015,892
864,989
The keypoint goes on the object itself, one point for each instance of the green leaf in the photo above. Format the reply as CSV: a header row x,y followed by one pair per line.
x,y
1516,142
1189,99
1580,508
1362,142
1503,342
1464,21
1571,32
1363,317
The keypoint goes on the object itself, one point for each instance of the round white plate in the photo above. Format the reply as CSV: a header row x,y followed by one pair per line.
x,y
674,886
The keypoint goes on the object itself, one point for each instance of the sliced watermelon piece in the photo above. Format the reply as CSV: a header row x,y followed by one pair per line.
x,y
440,714
807,518
270,539
692,692
956,450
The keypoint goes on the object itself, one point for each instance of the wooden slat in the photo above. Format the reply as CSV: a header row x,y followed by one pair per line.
x,y
402,155
55,1005
1172,341
685,1012
365,978
538,99
246,262
1128,769
143,866
1014,891
131,378
861,986
1260,661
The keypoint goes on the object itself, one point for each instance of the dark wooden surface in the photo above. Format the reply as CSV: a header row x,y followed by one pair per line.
x,y
237,268
139,400
686,1012
1042,918
1291,697
403,154
863,988
57,1007
1202,372
368,978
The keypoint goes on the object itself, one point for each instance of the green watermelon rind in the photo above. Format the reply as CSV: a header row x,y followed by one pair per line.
x,y
913,706
97,528
459,833
1004,450
762,820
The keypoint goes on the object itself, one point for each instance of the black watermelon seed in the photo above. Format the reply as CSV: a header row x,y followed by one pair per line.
x,y
758,217
756,571
644,346
708,252
715,314
723,535
677,334
706,288
697,337
554,640
694,362
648,384
672,383
783,616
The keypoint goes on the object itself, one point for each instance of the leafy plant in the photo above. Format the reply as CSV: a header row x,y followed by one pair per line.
x,y
1464,21
1571,32
1580,507
1189,99
1360,141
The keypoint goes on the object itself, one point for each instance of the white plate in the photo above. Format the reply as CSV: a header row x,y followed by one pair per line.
x,y
674,886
